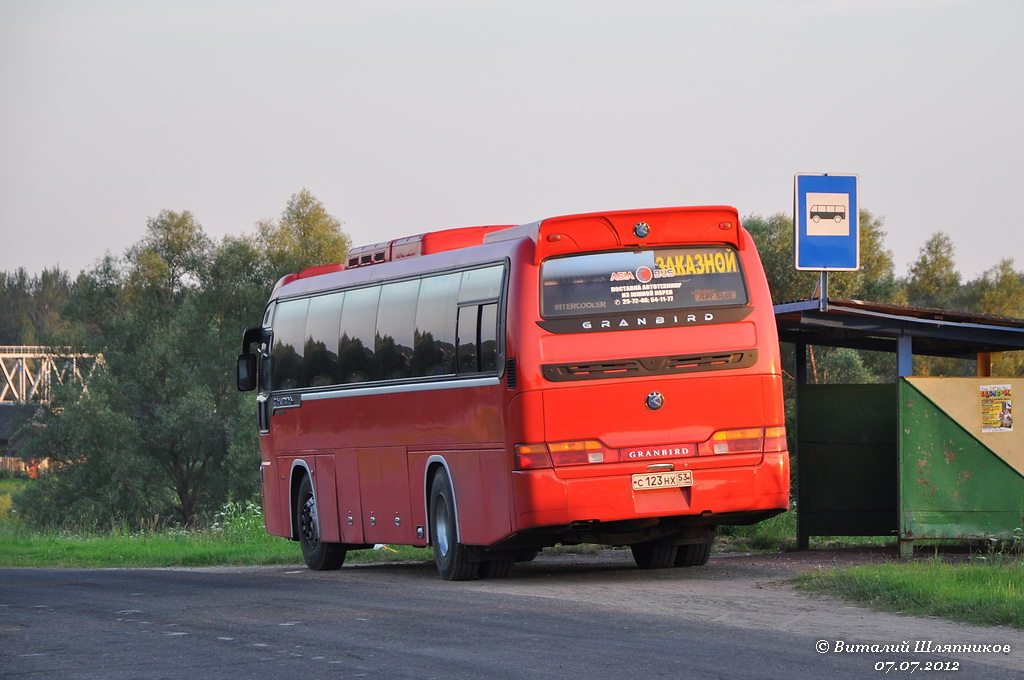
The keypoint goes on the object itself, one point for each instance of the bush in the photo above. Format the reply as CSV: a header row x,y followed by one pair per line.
x,y
239,521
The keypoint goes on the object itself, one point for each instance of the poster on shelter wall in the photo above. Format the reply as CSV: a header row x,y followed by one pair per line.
x,y
996,408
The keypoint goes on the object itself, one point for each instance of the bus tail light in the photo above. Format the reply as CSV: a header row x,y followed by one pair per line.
x,y
748,440
532,456
582,452
775,439
577,453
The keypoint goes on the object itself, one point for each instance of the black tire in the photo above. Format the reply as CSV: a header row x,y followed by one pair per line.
x,y
653,555
452,558
693,555
497,568
318,555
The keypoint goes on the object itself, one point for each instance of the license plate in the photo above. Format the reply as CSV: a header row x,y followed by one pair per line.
x,y
662,480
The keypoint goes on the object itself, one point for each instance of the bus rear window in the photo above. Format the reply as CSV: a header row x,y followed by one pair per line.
x,y
640,281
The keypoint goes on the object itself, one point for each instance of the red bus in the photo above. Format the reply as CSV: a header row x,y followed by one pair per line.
x,y
609,378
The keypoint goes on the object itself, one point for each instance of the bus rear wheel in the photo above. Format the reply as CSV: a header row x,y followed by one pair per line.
x,y
318,555
497,568
693,554
653,555
452,558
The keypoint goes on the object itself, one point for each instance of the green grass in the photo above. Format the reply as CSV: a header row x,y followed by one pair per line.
x,y
31,549
776,534
983,591
167,549
8,487
235,537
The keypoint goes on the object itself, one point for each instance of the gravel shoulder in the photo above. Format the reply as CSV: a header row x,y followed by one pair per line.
x,y
746,591
755,592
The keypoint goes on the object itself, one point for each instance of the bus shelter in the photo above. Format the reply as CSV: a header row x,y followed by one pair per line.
x,y
921,458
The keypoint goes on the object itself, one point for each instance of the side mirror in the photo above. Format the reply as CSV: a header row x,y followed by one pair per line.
x,y
246,372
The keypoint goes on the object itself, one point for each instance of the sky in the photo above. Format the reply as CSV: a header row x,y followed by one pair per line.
x,y
404,116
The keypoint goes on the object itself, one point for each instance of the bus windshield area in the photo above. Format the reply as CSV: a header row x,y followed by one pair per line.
x,y
645,280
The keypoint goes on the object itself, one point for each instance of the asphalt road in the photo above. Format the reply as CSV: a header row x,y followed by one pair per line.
x,y
586,622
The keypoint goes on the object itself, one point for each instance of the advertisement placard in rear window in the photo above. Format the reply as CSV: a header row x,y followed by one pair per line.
x,y
641,281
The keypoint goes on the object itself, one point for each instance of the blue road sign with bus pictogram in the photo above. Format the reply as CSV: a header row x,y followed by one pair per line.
x,y
825,216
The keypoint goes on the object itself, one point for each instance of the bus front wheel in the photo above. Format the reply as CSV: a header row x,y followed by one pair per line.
x,y
318,555
452,558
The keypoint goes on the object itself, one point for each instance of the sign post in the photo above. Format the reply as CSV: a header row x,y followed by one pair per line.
x,y
827,223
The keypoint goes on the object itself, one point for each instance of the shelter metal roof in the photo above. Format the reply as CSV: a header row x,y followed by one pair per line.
x,y
877,326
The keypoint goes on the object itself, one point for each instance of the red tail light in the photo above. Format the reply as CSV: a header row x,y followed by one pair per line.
x,y
748,440
583,452
775,439
532,456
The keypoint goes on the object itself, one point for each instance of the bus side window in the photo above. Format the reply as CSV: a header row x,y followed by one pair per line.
x,y
468,318
289,332
434,349
321,356
478,338
356,344
489,337
481,284
396,321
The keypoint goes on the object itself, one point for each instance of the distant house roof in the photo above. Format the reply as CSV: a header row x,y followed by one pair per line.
x,y
12,417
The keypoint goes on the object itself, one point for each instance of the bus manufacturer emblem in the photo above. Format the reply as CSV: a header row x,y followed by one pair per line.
x,y
286,401
641,230
655,400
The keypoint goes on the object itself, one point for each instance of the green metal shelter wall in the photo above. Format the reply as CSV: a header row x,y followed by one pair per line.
x,y
887,460
847,460
951,484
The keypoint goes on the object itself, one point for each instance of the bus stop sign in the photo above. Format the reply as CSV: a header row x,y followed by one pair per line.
x,y
826,219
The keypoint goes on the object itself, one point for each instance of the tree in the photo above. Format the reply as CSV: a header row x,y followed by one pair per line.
x,y
168,318
1000,291
162,432
306,235
30,306
173,256
15,294
137,312
232,298
97,479
934,281
51,293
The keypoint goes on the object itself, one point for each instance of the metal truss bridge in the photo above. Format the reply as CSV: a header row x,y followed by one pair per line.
x,y
27,374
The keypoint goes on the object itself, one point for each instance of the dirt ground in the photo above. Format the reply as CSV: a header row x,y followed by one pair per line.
x,y
752,591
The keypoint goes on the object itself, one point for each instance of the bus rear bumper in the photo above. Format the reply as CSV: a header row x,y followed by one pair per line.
x,y
732,495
